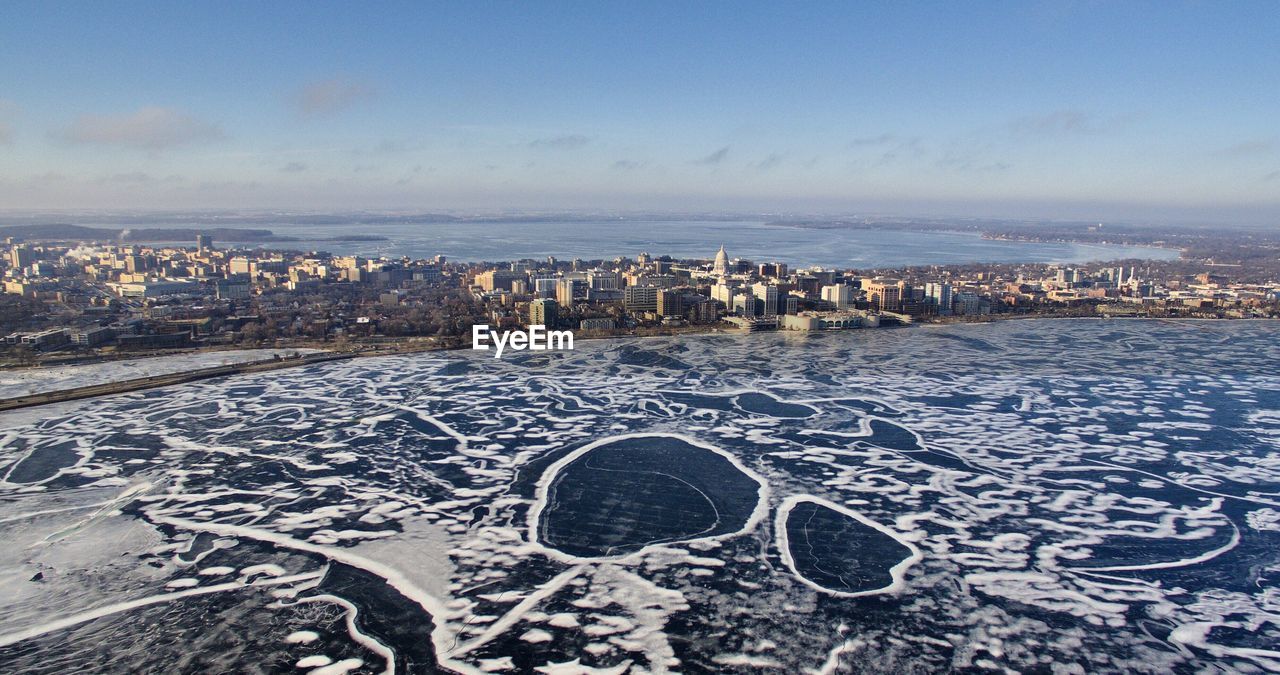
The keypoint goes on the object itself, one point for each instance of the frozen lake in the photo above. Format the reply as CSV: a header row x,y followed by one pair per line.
x,y
1047,495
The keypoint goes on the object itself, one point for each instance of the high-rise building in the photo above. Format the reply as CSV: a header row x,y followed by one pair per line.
x,y
601,280
968,303
640,298
704,311
498,280
204,243
773,269
939,294
840,295
545,287
671,303
20,257
724,293
789,304
570,290
885,294
766,299
544,312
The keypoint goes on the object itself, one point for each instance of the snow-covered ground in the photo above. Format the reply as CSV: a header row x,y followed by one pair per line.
x,y
28,381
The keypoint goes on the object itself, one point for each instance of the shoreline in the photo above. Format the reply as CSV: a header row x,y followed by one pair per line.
x,y
987,236
407,348
169,379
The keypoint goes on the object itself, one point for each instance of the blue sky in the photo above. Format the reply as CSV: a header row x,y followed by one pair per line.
x,y
1162,110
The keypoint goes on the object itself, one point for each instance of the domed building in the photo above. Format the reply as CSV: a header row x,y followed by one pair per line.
x,y
721,266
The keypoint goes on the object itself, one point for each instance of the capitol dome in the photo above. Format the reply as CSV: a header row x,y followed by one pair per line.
x,y
722,262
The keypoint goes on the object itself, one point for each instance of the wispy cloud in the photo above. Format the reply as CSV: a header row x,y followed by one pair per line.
x,y
769,162
1250,148
227,186
969,162
891,147
627,165
1271,176
393,146
130,178
151,128
294,167
1055,123
714,158
562,142
326,97
882,139
8,109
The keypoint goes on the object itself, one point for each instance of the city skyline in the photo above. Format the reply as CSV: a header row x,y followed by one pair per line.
x,y
1136,111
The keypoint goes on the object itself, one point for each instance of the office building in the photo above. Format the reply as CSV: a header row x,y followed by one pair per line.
x,y
885,294
20,257
838,295
569,291
939,295
640,298
671,303
543,312
766,299
498,280
545,287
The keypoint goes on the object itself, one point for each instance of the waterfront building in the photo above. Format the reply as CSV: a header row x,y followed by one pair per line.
x,y
885,294
940,295
766,299
968,303
811,321
93,337
839,295
703,310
